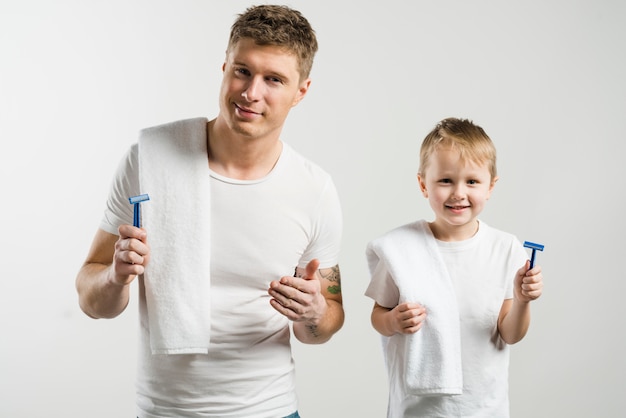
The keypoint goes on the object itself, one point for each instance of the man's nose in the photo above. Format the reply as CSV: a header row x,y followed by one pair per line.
x,y
253,90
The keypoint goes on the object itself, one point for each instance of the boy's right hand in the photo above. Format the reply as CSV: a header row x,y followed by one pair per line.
x,y
407,318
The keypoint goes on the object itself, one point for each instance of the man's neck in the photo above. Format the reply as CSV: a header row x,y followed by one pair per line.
x,y
239,157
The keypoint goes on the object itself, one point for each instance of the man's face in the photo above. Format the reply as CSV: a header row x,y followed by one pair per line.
x,y
260,86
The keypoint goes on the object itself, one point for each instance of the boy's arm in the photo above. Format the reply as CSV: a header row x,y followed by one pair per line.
x,y
514,318
406,318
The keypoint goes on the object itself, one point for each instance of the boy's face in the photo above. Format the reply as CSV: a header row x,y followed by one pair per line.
x,y
261,84
457,192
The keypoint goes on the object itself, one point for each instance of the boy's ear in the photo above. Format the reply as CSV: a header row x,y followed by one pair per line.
x,y
422,184
492,185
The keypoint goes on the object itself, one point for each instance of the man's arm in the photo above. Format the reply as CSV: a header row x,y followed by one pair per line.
x,y
112,263
312,300
332,320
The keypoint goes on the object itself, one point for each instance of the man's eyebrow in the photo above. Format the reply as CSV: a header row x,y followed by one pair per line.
x,y
273,73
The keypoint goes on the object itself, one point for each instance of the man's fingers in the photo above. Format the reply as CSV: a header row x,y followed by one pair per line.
x,y
311,268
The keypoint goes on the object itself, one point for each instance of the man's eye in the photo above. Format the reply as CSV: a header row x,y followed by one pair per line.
x,y
275,80
242,71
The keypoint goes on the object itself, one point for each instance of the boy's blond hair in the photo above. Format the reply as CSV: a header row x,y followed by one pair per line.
x,y
463,135
278,26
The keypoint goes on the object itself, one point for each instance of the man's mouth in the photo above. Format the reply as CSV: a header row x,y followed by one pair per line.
x,y
246,110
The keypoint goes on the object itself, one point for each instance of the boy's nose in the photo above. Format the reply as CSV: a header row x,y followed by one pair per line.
x,y
458,192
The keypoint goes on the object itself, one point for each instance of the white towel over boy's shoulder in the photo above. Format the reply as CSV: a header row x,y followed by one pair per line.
x,y
174,172
429,361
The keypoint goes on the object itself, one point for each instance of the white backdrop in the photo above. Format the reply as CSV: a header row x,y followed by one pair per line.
x,y
545,79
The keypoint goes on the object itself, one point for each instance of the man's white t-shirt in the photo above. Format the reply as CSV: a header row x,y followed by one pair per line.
x,y
260,230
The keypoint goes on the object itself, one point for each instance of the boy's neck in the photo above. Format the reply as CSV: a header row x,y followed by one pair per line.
x,y
451,233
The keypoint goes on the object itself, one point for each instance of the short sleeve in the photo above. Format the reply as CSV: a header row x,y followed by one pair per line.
x,y
326,242
382,288
125,184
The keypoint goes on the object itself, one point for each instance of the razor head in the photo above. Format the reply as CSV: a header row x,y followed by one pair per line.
x,y
138,199
533,246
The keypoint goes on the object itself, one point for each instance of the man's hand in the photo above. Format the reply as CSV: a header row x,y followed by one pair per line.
x,y
132,254
300,298
112,264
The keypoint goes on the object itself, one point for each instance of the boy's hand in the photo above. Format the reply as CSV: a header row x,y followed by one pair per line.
x,y
407,318
528,283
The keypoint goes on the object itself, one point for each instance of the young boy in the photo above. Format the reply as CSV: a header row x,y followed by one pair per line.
x,y
452,294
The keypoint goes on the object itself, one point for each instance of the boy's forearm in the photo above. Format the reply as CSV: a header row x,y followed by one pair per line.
x,y
381,321
515,323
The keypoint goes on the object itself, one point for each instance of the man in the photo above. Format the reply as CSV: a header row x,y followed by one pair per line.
x,y
233,212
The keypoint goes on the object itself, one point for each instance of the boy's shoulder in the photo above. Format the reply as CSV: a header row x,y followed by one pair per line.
x,y
497,235
400,236
419,227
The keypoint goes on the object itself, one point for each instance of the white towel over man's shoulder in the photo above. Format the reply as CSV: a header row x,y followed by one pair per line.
x,y
174,172
429,361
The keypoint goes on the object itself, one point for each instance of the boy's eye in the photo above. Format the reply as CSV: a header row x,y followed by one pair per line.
x,y
445,181
472,182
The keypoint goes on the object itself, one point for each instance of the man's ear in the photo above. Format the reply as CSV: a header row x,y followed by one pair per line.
x,y
304,88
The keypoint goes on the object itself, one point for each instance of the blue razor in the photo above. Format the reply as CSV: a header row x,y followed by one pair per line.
x,y
136,201
533,247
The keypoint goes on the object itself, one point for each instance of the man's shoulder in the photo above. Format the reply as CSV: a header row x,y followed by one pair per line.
x,y
186,135
175,126
308,166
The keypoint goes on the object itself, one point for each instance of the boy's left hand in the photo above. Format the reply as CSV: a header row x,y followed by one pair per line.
x,y
528,283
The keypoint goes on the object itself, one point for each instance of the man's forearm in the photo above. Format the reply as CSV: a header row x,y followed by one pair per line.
x,y
319,333
100,297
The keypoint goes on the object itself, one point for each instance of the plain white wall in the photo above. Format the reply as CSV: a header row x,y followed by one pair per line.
x,y
78,79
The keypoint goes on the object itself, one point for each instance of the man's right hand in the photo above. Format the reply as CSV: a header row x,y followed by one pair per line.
x,y
132,254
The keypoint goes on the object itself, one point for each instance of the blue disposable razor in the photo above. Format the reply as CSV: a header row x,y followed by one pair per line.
x,y
136,201
533,247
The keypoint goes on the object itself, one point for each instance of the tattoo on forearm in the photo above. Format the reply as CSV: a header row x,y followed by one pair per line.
x,y
334,289
313,330
333,276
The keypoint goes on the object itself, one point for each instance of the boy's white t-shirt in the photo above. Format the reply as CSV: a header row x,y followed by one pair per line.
x,y
260,230
482,270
